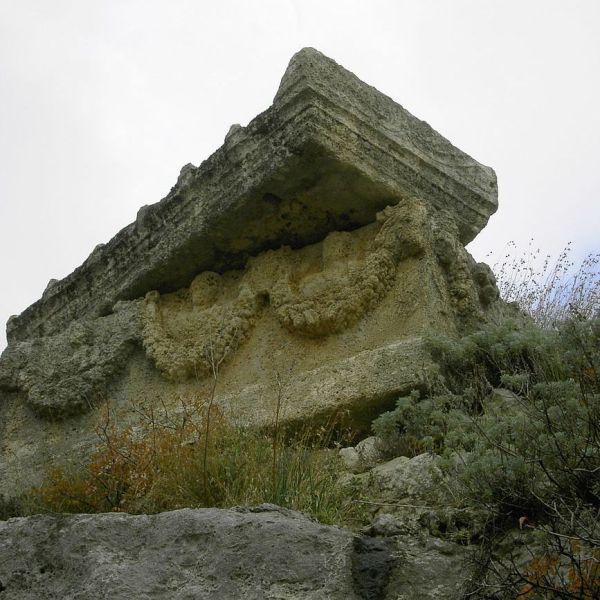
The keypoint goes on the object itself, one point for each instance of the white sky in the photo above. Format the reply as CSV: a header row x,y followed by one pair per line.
x,y
103,101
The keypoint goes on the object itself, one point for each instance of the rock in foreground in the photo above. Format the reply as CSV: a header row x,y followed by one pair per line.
x,y
251,553
187,553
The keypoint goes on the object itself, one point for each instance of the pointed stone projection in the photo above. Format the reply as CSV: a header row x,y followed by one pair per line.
x,y
300,264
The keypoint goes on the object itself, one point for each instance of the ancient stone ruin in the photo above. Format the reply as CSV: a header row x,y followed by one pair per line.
x,y
302,263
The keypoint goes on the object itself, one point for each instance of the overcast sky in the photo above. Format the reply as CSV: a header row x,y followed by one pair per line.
x,y
103,101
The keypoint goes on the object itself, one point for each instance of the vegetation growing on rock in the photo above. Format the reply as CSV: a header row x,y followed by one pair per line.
x,y
198,458
526,458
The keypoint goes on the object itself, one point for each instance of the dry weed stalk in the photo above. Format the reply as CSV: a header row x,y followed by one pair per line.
x,y
195,456
550,290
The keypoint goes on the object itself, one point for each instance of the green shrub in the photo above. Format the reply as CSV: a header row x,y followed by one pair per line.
x,y
476,363
530,460
423,425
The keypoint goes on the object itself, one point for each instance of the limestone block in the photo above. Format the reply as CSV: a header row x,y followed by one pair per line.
x,y
229,554
328,154
298,268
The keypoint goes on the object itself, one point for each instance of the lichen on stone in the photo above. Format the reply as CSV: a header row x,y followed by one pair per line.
x,y
471,286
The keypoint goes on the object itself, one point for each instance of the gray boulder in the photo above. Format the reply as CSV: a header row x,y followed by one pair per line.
x,y
259,553
364,455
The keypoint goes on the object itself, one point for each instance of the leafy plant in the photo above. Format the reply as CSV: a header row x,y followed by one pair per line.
x,y
422,425
528,457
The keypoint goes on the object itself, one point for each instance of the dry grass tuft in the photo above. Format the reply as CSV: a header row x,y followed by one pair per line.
x,y
549,289
198,458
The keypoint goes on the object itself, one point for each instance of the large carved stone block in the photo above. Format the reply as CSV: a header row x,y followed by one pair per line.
x,y
315,248
328,154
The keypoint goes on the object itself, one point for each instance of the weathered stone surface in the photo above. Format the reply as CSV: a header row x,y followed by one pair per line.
x,y
69,373
344,290
327,155
411,498
409,490
210,553
357,389
366,454
432,569
302,263
338,323
257,553
410,479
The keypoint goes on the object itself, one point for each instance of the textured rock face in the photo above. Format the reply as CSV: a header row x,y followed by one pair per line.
x,y
259,553
183,554
327,155
316,247
69,372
